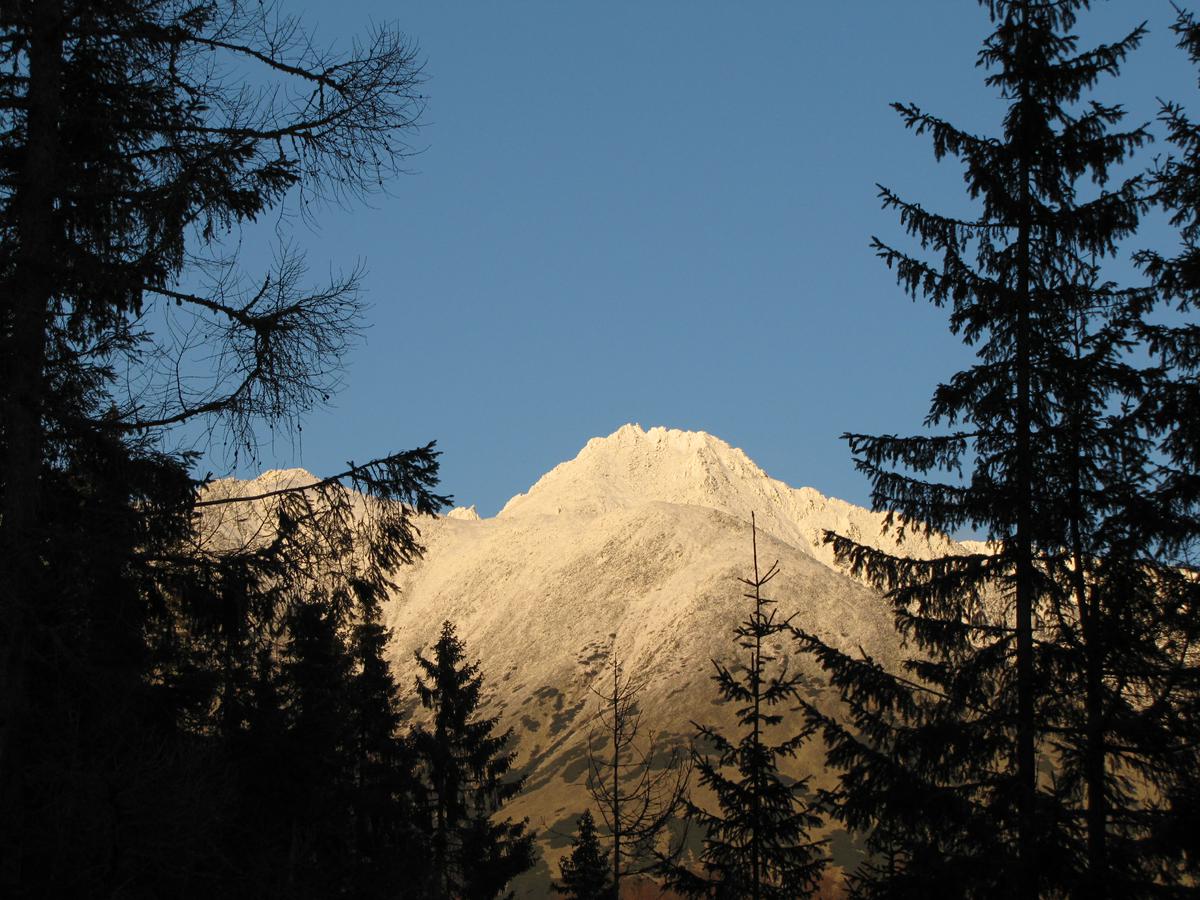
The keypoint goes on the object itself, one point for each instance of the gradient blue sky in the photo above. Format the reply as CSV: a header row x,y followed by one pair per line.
x,y
660,212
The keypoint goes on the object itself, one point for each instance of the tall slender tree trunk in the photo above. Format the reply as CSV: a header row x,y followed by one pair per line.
x,y
1097,799
755,675
1094,752
1026,762
24,353
1087,608
616,788
441,841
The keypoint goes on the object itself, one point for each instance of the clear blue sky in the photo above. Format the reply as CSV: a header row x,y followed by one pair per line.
x,y
659,212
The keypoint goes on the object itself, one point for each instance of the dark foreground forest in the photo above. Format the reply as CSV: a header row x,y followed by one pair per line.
x,y
186,712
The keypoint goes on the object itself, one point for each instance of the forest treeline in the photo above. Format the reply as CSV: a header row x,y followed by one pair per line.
x,y
189,709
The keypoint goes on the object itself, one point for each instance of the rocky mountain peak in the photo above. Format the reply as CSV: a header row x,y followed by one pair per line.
x,y
464,513
635,466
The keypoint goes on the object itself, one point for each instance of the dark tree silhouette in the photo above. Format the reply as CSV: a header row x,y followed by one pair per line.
x,y
135,645
1173,410
314,678
585,872
757,844
637,783
327,799
391,835
1037,655
469,778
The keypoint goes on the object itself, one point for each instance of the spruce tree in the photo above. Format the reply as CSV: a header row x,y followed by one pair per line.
x,y
263,795
131,642
757,843
1029,658
391,835
467,770
1117,612
328,800
1172,408
585,872
315,679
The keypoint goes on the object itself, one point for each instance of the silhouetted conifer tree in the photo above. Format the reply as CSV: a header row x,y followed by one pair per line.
x,y
757,844
389,803
1032,656
586,873
259,827
315,680
133,642
1172,407
468,775
328,796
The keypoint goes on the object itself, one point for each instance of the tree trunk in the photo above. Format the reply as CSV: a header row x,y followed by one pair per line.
x,y
616,794
24,351
1025,755
1094,755
755,678
1087,607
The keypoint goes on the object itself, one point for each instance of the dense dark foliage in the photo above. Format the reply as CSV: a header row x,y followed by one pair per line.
x,y
757,843
586,871
188,705
467,770
1172,410
1023,750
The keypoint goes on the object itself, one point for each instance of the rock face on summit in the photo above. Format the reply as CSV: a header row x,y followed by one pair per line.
x,y
631,467
633,547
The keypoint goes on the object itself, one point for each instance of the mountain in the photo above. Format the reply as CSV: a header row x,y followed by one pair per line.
x,y
634,547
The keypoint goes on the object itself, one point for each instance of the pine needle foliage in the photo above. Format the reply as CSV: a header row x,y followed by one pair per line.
x,y
1172,409
468,773
585,872
757,842
146,655
1003,758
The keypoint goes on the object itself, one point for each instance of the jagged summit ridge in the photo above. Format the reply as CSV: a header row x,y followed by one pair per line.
x,y
464,513
632,467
